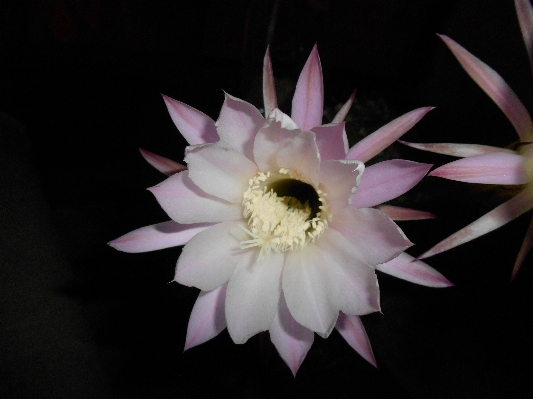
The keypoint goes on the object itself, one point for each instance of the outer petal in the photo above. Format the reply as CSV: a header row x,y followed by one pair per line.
x,y
269,90
238,124
158,236
210,257
525,18
340,179
407,268
277,132
499,216
195,126
162,164
331,141
524,250
372,232
208,317
341,115
186,203
291,339
495,87
492,168
387,180
219,171
457,150
400,213
308,100
352,330
386,135
301,155
253,295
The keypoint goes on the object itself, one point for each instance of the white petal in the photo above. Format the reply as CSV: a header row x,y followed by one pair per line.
x,y
301,155
208,317
331,141
372,232
158,236
253,295
339,179
219,171
352,330
238,124
291,339
210,257
185,202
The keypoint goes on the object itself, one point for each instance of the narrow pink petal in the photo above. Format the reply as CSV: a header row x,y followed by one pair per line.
x,y
185,202
253,295
331,141
386,180
291,339
339,180
195,126
269,89
210,257
495,87
525,18
308,100
158,236
457,150
386,135
491,168
341,115
400,213
352,330
372,232
238,124
524,250
407,268
220,171
208,317
499,216
301,155
162,164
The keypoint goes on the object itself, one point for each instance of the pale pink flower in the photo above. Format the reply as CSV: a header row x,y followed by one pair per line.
x,y
492,165
278,222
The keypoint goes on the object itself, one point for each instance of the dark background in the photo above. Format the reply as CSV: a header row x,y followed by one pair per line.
x,y
79,94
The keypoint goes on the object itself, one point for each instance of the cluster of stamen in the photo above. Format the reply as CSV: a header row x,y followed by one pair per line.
x,y
283,212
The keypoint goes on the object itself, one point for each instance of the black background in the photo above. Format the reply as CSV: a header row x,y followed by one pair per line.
x,y
79,94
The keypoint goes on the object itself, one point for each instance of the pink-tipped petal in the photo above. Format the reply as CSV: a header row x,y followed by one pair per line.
x,y
386,180
400,213
208,317
386,135
269,89
210,257
352,330
185,202
158,236
339,179
524,250
457,150
495,87
499,216
301,155
195,126
407,268
492,168
308,100
253,295
162,164
238,124
331,141
341,115
291,339
525,18
220,171
377,237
